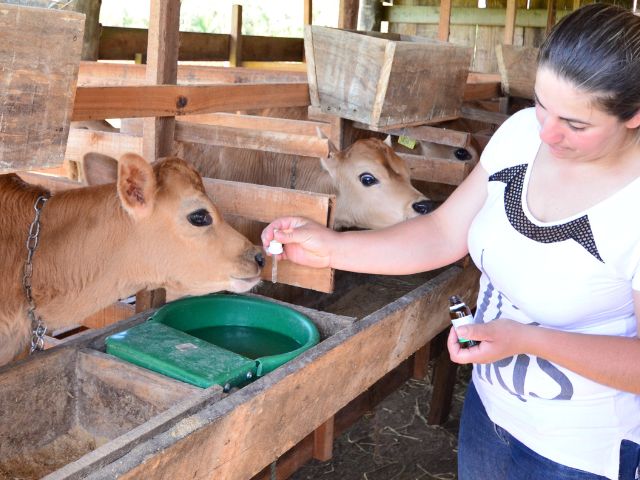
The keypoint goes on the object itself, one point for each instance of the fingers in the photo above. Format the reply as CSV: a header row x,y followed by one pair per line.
x,y
279,224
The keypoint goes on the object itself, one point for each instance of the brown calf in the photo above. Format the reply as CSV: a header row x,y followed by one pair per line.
x,y
155,227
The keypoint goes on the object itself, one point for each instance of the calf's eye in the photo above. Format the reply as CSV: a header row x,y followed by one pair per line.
x,y
367,179
200,218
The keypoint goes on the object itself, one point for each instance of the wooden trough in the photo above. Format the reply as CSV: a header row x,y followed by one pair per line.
x,y
385,80
76,412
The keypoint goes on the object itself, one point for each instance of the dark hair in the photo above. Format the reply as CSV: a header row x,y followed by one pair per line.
x,y
597,47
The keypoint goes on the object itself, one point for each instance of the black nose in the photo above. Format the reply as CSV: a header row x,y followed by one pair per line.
x,y
424,206
462,154
259,259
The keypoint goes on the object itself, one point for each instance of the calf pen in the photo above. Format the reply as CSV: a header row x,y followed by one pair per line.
x,y
77,412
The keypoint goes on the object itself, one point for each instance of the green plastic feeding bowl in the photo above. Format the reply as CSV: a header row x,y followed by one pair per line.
x,y
221,339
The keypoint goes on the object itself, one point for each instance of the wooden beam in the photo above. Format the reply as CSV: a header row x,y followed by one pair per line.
x,y
517,66
551,15
323,440
307,15
348,14
118,43
487,17
438,170
95,103
309,146
510,22
443,136
235,45
94,74
444,20
258,122
83,141
162,69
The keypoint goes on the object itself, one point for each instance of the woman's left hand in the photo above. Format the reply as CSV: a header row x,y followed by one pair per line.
x,y
499,339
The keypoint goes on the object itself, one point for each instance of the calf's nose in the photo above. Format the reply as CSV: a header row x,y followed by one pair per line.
x,y
424,206
259,259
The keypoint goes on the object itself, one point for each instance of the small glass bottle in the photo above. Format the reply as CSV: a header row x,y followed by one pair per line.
x,y
461,315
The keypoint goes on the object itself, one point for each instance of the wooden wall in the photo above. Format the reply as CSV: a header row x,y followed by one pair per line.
x,y
481,28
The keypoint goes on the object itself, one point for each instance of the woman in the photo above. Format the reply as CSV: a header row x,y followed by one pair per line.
x,y
548,216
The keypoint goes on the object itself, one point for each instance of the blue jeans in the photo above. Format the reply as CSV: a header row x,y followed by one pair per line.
x,y
487,451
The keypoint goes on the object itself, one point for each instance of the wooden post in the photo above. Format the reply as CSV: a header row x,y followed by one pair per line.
x,y
92,27
510,22
370,15
551,15
348,16
235,45
323,440
162,69
308,12
445,19
158,132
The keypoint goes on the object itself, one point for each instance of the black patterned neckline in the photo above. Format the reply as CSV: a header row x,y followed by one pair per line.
x,y
577,229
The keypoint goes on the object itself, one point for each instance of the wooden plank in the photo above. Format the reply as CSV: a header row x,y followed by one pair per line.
x,y
83,141
348,14
37,84
109,315
443,136
263,203
258,122
323,440
306,145
510,22
484,116
517,66
96,103
438,170
444,20
491,17
98,74
118,43
293,398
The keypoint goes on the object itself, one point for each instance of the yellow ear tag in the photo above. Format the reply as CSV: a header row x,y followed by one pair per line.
x,y
407,141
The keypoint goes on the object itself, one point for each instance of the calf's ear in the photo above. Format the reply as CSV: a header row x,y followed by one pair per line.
x,y
98,168
136,185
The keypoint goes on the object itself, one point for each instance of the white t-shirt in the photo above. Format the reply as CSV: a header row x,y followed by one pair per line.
x,y
575,275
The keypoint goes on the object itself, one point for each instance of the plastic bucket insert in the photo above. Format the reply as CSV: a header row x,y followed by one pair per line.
x,y
223,339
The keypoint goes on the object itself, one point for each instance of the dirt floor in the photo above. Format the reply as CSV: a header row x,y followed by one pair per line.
x,y
394,442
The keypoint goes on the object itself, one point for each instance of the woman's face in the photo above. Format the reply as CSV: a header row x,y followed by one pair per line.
x,y
571,124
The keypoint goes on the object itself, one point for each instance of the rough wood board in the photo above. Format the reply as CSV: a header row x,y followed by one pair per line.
x,y
280,142
123,43
387,80
238,436
517,66
37,84
93,74
97,103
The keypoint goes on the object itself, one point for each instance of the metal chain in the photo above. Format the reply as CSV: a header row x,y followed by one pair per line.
x,y
38,328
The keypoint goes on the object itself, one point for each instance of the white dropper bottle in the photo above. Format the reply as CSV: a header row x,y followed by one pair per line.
x,y
274,248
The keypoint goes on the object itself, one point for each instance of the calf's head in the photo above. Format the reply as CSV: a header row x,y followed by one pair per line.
x,y
374,186
186,245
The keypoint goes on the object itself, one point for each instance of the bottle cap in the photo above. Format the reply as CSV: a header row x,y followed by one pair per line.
x,y
275,247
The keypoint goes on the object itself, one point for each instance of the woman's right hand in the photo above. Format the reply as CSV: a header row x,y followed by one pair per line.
x,y
305,242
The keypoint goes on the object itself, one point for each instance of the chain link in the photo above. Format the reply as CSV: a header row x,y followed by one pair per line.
x,y
38,328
